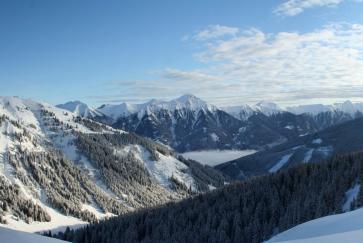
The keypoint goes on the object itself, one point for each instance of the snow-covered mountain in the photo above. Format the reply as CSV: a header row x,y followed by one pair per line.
x,y
345,107
185,102
80,109
190,130
58,168
189,123
269,108
243,112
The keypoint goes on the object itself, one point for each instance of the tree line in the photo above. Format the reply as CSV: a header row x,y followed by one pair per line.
x,y
249,211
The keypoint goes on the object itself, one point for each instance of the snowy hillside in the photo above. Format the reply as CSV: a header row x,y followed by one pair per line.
x,y
346,227
59,169
14,236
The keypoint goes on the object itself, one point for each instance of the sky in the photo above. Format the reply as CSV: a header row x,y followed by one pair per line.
x,y
227,52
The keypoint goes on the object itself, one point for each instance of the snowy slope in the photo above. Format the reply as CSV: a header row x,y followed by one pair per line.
x,y
14,236
346,227
165,168
28,127
280,163
23,116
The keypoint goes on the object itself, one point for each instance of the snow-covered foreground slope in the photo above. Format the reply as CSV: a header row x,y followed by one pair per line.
x,y
216,157
59,170
14,236
346,227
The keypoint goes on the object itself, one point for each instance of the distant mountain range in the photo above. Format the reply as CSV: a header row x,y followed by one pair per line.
x,y
315,147
189,123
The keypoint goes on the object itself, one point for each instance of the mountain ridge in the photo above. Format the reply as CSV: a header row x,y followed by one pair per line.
x,y
56,165
338,139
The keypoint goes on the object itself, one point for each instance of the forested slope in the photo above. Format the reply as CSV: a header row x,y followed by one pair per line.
x,y
249,211
58,169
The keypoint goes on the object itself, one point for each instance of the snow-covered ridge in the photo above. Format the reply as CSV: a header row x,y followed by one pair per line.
x,y
80,109
346,107
28,113
29,128
269,108
189,102
243,112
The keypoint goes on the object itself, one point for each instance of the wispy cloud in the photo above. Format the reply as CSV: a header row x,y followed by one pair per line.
x,y
327,59
212,32
252,65
295,7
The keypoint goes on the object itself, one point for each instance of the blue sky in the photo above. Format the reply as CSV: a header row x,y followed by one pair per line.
x,y
226,52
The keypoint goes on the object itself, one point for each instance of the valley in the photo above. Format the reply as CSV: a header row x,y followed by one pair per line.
x,y
216,157
181,121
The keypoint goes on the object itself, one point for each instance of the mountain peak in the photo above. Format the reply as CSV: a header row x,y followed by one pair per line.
x,y
268,104
267,107
347,102
187,101
79,108
187,97
191,102
73,104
